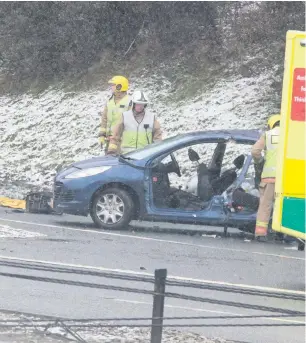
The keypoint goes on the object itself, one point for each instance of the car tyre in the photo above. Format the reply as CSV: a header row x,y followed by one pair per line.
x,y
112,209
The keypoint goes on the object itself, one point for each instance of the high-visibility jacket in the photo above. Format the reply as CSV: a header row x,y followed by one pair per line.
x,y
136,135
271,144
115,111
112,113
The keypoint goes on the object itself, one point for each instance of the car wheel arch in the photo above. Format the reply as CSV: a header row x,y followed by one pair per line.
x,y
124,187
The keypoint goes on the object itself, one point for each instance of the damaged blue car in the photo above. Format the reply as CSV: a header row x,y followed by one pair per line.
x,y
145,184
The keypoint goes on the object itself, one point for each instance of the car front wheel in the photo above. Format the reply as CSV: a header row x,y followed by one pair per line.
x,y
112,208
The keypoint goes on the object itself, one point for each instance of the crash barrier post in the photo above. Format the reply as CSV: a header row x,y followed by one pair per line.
x,y
158,305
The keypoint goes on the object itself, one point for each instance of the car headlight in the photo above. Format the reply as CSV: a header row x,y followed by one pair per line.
x,y
86,172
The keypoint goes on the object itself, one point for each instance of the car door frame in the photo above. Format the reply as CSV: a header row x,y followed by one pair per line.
x,y
214,214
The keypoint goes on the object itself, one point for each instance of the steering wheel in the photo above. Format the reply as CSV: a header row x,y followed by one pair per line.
x,y
176,167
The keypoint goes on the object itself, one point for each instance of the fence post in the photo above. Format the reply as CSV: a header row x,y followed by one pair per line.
x,y
158,305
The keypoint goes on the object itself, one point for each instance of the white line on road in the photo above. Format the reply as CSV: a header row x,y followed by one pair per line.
x,y
171,277
194,309
152,239
204,310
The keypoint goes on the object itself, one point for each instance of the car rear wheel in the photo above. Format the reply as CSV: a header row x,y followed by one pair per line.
x,y
112,208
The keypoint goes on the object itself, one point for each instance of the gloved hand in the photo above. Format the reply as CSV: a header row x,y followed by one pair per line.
x,y
102,141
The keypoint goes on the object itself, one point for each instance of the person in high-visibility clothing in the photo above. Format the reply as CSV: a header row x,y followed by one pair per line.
x,y
268,143
137,127
118,103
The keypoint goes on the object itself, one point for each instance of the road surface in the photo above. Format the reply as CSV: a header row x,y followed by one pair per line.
x,y
61,244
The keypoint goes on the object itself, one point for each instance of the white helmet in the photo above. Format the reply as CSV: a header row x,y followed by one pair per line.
x,y
140,97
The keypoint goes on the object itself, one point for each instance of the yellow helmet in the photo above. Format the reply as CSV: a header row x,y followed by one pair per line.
x,y
273,120
121,82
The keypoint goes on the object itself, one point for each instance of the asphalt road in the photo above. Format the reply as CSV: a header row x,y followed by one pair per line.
x,y
68,242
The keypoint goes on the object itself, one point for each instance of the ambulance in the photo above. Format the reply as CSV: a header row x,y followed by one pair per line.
x,y
289,209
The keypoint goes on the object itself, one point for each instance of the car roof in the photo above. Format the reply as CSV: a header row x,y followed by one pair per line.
x,y
248,137
240,135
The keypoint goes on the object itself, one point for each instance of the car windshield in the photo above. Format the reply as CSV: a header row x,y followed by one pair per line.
x,y
151,149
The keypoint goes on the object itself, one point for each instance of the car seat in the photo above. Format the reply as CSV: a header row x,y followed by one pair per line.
x,y
205,190
228,177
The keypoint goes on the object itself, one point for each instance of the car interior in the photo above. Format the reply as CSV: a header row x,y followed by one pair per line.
x,y
211,181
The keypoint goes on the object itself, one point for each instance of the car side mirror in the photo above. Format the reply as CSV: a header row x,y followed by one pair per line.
x,y
193,155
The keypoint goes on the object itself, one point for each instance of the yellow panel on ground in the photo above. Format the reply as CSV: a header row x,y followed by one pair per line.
x,y
12,203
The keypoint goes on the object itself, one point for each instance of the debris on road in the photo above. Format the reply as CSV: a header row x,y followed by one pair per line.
x,y
211,236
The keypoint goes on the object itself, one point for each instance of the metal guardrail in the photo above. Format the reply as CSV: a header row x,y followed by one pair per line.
x,y
159,294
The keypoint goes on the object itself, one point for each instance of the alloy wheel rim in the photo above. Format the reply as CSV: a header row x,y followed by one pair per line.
x,y
110,209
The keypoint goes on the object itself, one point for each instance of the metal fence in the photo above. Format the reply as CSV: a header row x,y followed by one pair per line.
x,y
159,283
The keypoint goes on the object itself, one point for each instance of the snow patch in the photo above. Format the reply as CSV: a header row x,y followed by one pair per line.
x,y
39,134
10,232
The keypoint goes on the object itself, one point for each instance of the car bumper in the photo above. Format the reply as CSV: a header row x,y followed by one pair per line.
x,y
71,197
72,207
